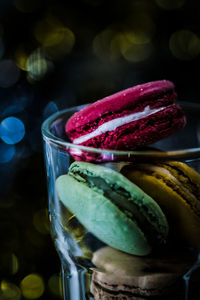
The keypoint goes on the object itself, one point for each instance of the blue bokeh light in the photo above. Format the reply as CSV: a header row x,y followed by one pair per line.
x,y
9,74
7,152
50,108
12,109
12,130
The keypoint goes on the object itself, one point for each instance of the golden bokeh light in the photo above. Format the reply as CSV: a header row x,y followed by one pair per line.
x,y
66,42
21,57
135,52
41,221
137,37
36,239
37,67
32,286
184,44
131,40
170,4
9,262
56,39
37,64
55,285
14,264
9,291
134,46
105,46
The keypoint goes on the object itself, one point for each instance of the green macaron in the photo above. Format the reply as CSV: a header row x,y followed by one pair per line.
x,y
112,208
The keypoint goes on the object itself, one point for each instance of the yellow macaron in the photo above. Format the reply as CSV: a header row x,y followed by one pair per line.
x,y
176,188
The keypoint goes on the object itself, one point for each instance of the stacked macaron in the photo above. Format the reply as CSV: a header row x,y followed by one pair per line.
x,y
176,188
112,208
135,117
123,276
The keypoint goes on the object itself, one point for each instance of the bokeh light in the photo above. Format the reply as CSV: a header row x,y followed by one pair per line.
x,y
170,4
105,46
14,264
12,109
184,44
54,285
35,238
49,109
132,40
19,104
37,65
32,286
7,152
136,40
41,221
21,57
135,47
57,39
9,74
8,261
12,130
9,291
137,37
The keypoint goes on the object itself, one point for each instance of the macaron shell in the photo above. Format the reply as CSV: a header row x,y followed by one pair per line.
x,y
119,101
142,132
191,178
159,117
101,217
181,216
118,181
152,275
100,293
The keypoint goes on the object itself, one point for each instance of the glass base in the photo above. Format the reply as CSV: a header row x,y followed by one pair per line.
x,y
78,284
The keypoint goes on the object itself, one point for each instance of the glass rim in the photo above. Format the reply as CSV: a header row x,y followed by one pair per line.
x,y
188,153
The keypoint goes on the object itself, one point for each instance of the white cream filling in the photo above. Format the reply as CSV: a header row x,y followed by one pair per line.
x,y
113,124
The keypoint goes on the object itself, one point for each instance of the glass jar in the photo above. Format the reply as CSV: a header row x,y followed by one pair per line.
x,y
91,269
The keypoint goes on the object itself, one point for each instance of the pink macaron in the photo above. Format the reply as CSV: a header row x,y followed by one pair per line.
x,y
132,118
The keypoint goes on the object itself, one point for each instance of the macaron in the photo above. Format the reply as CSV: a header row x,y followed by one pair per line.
x,y
135,117
176,188
119,275
112,208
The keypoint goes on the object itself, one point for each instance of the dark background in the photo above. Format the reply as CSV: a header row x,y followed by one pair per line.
x,y
57,54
